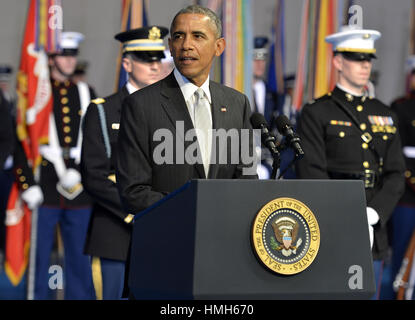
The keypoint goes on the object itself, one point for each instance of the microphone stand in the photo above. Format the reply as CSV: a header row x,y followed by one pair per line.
x,y
296,157
275,164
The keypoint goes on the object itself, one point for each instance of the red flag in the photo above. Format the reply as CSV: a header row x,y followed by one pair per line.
x,y
33,85
17,237
34,105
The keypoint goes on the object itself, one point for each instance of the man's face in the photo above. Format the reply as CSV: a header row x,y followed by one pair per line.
x,y
141,73
259,68
193,45
65,64
353,74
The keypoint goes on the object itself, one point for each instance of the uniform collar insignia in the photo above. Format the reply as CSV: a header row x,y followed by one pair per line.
x,y
349,97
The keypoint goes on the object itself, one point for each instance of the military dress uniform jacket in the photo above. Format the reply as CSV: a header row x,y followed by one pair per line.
x,y
405,111
67,113
108,235
338,148
273,105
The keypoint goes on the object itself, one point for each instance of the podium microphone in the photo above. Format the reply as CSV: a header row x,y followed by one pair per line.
x,y
285,128
258,122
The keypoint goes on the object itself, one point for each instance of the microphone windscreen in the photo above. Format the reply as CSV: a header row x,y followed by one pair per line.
x,y
258,120
282,122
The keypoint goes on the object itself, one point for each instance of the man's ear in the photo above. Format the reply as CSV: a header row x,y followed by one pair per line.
x,y
220,46
338,62
127,65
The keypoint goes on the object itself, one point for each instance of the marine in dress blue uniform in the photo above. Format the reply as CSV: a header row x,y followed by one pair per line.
x,y
65,201
349,135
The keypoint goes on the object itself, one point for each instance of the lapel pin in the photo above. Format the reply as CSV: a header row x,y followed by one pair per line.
x,y
223,109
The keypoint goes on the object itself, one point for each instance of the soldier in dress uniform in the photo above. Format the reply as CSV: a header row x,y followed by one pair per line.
x,y
65,201
349,135
110,227
403,219
265,101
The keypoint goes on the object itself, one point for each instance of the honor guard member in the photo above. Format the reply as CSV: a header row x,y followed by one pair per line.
x,y
349,135
265,101
403,219
268,103
66,203
110,227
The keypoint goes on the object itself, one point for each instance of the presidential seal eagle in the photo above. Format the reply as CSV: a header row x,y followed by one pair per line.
x,y
286,232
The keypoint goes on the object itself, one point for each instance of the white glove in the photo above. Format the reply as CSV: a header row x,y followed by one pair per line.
x,y
70,179
372,219
33,197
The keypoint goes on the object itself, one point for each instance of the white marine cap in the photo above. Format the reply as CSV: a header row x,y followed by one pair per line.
x,y
69,43
354,39
71,39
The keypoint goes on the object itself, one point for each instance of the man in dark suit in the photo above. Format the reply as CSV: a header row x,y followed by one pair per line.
x,y
184,100
110,227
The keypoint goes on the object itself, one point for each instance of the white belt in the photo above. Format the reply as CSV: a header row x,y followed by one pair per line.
x,y
409,152
49,152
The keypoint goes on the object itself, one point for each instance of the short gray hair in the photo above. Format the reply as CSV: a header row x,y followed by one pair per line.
x,y
201,10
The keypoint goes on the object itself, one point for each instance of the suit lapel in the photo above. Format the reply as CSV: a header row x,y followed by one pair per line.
x,y
176,109
219,113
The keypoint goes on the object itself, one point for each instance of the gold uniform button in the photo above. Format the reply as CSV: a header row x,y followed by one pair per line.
x,y
64,100
407,174
412,180
366,164
65,109
364,145
359,108
66,119
413,123
341,134
25,186
19,171
66,129
22,178
363,126
80,112
63,91
67,139
385,137
44,163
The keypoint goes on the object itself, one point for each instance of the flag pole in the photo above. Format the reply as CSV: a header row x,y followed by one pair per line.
x,y
32,256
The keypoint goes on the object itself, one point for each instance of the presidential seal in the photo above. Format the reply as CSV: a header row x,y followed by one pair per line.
x,y
285,236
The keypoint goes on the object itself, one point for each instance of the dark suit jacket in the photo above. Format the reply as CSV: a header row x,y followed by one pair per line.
x,y
140,180
108,235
